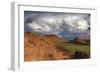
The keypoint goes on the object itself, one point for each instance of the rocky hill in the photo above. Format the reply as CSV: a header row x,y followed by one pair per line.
x,y
38,48
81,41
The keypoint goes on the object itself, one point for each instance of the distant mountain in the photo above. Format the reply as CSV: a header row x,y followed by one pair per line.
x,y
37,47
81,41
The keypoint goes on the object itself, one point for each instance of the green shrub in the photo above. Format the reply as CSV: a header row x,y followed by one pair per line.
x,y
71,47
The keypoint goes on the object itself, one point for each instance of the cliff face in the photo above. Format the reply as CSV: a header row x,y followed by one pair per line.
x,y
38,48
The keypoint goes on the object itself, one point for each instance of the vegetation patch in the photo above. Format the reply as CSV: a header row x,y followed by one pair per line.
x,y
75,49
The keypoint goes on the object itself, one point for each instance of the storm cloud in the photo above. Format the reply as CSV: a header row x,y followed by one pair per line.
x,y
57,23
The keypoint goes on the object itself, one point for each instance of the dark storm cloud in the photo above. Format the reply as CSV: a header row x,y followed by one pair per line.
x,y
56,23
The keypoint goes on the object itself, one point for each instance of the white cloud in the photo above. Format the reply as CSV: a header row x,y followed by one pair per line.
x,y
54,24
82,24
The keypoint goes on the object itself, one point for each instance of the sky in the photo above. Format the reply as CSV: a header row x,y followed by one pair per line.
x,y
66,25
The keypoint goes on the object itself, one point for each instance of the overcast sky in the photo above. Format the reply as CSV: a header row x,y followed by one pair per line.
x,y
68,25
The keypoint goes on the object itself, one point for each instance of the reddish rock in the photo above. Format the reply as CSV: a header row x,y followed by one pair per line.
x,y
38,48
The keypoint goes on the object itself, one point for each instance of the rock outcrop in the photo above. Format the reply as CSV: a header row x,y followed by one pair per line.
x,y
38,48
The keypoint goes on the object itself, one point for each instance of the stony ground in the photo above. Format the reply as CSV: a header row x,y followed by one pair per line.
x,y
38,48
